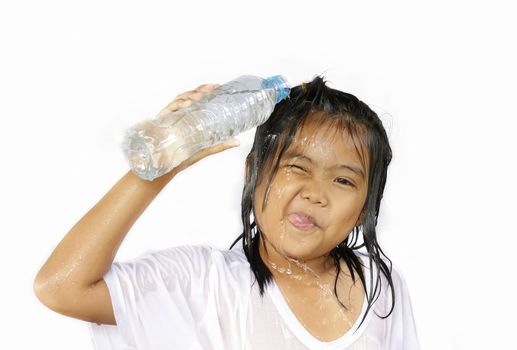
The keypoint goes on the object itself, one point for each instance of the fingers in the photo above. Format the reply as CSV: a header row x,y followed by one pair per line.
x,y
198,92
215,149
193,94
185,99
207,87
205,152
232,142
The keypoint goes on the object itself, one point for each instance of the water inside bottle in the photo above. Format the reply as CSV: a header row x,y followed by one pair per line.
x,y
156,146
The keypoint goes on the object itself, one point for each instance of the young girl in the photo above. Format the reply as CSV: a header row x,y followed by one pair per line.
x,y
308,274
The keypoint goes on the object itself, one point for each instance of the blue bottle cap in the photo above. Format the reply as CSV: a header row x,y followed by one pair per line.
x,y
279,83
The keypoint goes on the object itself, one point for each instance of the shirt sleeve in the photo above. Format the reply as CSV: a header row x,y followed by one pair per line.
x,y
401,330
159,300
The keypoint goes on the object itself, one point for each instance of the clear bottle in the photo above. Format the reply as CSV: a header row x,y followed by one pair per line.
x,y
155,146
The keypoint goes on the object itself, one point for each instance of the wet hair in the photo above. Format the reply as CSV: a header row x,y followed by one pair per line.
x,y
345,113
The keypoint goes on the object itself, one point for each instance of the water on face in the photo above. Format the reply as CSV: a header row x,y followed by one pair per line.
x,y
297,276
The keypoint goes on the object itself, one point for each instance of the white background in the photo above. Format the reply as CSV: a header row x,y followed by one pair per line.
x,y
74,75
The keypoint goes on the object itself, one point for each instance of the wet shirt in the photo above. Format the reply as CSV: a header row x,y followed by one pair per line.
x,y
200,297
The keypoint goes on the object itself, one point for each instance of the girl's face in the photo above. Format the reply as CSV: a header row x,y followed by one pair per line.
x,y
316,197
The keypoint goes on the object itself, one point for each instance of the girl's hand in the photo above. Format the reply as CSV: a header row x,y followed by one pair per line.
x,y
185,100
205,152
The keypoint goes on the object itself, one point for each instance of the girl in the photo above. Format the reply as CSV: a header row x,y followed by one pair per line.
x,y
308,274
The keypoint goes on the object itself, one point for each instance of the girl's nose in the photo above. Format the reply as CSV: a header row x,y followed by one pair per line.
x,y
314,192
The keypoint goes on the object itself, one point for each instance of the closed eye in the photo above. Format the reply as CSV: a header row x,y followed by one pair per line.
x,y
341,180
297,167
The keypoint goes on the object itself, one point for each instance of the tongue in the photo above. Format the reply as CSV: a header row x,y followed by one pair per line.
x,y
300,220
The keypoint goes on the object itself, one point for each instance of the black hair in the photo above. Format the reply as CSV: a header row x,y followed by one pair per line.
x,y
271,141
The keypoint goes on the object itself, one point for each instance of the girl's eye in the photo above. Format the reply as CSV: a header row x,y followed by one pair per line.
x,y
344,181
341,180
297,167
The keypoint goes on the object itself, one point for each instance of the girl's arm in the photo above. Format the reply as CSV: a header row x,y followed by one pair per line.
x,y
68,282
71,280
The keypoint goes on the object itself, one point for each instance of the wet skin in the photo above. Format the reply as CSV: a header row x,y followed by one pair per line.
x,y
320,176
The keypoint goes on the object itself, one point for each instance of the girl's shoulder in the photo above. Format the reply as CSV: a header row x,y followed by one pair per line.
x,y
205,257
202,267
201,253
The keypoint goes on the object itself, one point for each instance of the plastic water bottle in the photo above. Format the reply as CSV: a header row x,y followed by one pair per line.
x,y
155,146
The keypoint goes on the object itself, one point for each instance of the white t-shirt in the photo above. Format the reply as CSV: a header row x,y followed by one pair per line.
x,y
200,297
